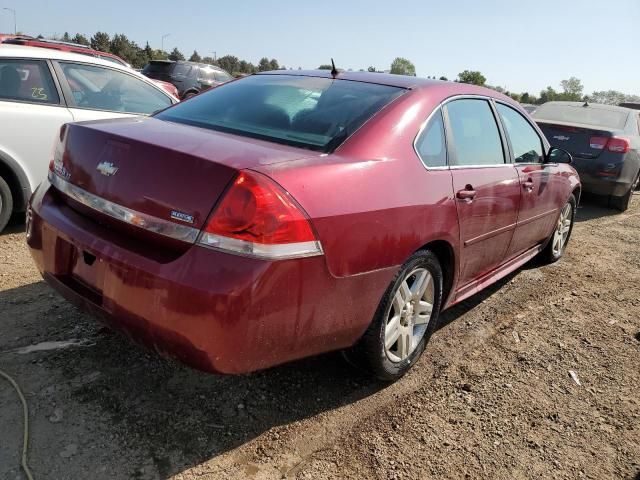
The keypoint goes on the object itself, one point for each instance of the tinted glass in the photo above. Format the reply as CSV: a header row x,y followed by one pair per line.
x,y
222,76
474,131
27,80
158,67
431,144
599,117
105,89
181,69
310,112
526,144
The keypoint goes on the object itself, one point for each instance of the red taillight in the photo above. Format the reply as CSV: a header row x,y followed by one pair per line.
x,y
598,143
618,145
613,144
258,217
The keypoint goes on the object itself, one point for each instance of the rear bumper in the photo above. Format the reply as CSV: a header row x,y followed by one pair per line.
x,y
594,178
211,310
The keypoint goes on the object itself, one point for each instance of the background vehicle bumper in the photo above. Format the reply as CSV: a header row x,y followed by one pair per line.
x,y
211,310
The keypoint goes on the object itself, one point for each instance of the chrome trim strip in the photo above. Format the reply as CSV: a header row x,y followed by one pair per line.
x,y
184,233
536,217
281,251
124,214
493,233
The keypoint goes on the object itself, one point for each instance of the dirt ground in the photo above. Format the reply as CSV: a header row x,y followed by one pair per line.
x,y
492,397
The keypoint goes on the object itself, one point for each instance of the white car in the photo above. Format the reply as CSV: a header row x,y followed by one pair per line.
x,y
40,90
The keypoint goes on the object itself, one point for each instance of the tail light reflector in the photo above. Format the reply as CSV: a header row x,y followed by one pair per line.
x,y
598,143
618,145
258,218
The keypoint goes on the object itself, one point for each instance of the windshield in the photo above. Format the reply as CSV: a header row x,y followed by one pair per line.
x,y
309,112
599,117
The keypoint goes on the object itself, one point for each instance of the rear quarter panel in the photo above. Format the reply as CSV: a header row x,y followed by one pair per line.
x,y
372,202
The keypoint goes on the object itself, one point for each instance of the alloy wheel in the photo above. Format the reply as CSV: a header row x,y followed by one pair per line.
x,y
409,315
562,230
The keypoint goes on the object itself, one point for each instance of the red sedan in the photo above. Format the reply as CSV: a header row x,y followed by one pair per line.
x,y
288,214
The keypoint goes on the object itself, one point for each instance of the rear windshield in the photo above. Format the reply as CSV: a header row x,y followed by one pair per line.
x,y
158,67
310,112
578,114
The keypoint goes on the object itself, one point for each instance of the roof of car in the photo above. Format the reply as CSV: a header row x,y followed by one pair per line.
x,y
199,64
23,51
598,106
400,81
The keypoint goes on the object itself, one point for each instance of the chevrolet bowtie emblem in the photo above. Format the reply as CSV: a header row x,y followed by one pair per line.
x,y
107,169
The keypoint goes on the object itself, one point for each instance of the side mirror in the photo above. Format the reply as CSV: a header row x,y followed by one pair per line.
x,y
558,155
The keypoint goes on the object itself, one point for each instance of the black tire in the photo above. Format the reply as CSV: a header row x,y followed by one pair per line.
x,y
551,254
622,203
188,95
6,204
370,352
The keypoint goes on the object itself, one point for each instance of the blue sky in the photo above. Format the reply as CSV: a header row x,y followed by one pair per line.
x,y
523,45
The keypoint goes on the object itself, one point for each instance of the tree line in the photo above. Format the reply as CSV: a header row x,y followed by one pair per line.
x,y
138,56
571,89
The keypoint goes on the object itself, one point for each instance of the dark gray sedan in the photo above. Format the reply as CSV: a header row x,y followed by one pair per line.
x,y
604,141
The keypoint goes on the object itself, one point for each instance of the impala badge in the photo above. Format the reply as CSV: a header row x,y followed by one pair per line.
x,y
107,169
562,138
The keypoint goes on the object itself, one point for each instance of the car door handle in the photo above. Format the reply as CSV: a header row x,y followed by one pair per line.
x,y
467,194
528,184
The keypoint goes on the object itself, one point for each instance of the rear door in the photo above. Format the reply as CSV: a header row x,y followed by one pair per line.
x,y
485,184
95,92
539,182
31,114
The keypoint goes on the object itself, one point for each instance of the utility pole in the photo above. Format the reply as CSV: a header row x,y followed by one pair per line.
x,y
162,41
15,29
214,56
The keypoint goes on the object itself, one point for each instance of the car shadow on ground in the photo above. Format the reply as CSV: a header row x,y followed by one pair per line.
x,y
594,206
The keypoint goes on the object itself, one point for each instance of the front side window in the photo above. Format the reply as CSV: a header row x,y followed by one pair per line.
x,y
102,88
431,146
474,132
309,112
525,142
27,81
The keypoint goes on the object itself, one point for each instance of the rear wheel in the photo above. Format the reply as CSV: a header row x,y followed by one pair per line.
x,y
622,203
560,237
188,95
404,321
6,204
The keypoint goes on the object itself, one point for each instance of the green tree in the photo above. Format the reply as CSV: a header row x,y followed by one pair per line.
x,y
66,37
371,69
229,63
444,79
195,57
325,67
80,39
273,64
264,65
208,60
402,66
472,76
524,98
100,41
572,89
176,55
612,97
548,95
121,46
246,67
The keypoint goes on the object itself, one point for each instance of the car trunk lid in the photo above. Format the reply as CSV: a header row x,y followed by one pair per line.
x,y
580,140
164,171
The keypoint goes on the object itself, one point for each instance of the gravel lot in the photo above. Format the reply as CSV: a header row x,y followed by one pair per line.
x,y
491,398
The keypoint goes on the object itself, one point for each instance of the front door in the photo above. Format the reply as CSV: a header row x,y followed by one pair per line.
x,y
486,187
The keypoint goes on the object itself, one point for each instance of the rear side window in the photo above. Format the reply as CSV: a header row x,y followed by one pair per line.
x,y
158,67
222,76
181,69
431,146
102,88
525,142
309,112
27,81
476,140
